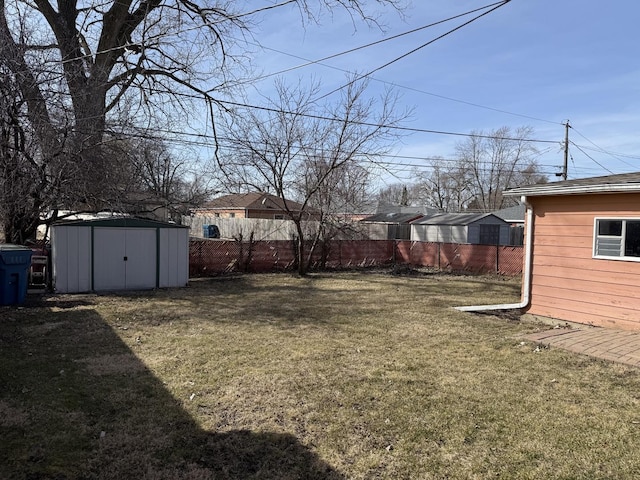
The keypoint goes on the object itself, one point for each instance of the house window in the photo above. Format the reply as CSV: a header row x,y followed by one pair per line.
x,y
278,216
617,238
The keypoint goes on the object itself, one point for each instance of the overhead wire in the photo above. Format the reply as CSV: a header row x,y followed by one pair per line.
x,y
351,50
205,23
616,154
494,6
377,80
364,158
449,32
362,47
591,158
600,149
392,127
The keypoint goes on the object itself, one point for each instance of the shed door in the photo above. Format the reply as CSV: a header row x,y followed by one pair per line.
x,y
124,258
489,234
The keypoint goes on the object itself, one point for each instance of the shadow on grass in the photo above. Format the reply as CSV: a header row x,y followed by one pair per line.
x,y
76,403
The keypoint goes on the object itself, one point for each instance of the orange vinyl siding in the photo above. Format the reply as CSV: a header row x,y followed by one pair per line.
x,y
567,282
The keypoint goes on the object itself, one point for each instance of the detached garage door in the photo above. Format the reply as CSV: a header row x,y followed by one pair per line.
x,y
124,258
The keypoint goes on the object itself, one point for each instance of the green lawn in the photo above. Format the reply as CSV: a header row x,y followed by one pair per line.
x,y
334,376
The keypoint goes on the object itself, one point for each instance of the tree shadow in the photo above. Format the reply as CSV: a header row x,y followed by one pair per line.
x,y
76,403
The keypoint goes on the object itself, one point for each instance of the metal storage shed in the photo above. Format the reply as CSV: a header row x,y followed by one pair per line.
x,y
391,226
475,228
118,254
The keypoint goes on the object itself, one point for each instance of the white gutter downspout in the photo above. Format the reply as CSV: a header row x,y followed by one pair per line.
x,y
526,274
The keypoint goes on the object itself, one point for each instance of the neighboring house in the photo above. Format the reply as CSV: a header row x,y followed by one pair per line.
x,y
391,226
475,228
249,205
515,217
582,263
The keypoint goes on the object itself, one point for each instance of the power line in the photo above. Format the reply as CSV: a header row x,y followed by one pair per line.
x,y
591,158
494,5
366,124
227,144
362,47
384,82
205,23
500,4
602,150
615,154
391,127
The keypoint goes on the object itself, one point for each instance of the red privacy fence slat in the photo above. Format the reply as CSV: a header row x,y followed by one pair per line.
x,y
501,259
212,257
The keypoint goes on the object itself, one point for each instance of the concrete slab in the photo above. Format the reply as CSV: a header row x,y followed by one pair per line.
x,y
613,345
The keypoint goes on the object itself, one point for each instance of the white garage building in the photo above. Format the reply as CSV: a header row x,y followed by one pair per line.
x,y
118,254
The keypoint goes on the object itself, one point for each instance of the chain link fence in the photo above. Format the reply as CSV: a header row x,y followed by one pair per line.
x,y
209,257
456,257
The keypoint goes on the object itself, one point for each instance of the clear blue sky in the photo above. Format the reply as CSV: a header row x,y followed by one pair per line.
x,y
531,62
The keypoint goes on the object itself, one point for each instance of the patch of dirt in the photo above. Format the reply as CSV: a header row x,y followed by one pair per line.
x,y
11,416
113,364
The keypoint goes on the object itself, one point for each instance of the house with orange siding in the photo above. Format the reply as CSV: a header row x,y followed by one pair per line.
x,y
582,263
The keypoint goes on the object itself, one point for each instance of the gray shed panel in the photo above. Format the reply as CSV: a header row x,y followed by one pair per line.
x,y
459,228
119,254
71,264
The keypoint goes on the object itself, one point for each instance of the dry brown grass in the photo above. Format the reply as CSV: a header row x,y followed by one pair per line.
x,y
341,376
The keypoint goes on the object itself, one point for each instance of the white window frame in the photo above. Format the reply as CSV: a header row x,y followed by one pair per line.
x,y
622,256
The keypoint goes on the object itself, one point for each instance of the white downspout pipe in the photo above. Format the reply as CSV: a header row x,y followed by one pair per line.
x,y
526,274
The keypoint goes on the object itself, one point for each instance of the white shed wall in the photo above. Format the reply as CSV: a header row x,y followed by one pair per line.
x,y
174,257
122,258
71,259
439,233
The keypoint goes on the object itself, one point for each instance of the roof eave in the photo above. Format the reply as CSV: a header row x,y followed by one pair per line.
x,y
573,190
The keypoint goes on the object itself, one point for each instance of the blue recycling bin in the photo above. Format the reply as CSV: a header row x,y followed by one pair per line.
x,y
15,261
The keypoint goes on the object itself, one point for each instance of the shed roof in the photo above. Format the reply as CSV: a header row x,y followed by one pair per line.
x,y
392,217
118,222
455,219
621,183
512,214
392,208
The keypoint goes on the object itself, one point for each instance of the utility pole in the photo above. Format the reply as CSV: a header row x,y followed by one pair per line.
x,y
566,150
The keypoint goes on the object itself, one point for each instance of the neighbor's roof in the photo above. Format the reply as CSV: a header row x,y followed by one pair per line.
x,y
622,183
392,208
253,200
454,218
512,214
392,217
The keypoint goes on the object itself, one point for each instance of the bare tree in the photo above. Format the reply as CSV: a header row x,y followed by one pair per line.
x,y
344,192
495,162
395,194
162,176
28,183
298,148
445,186
86,70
